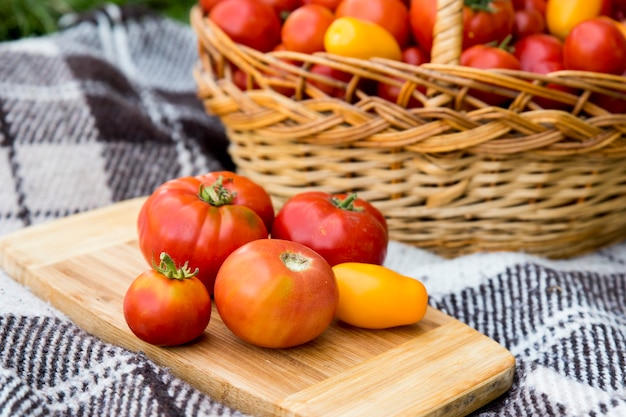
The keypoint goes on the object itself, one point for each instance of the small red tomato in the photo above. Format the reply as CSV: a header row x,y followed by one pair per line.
x,y
489,57
483,21
528,22
283,6
203,219
276,294
167,306
595,45
341,228
413,55
546,67
332,73
330,4
536,48
304,28
248,22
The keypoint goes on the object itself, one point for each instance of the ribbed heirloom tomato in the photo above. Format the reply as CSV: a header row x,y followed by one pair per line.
x,y
202,219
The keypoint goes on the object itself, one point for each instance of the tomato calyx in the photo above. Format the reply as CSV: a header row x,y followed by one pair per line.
x,y
216,194
295,261
347,203
168,268
480,5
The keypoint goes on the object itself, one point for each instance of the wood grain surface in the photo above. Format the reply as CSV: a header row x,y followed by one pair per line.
x,y
84,263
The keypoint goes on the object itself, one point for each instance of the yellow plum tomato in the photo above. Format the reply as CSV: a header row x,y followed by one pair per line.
x,y
167,305
275,293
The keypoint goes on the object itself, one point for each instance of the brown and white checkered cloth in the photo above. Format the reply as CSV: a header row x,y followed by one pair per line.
x,y
106,110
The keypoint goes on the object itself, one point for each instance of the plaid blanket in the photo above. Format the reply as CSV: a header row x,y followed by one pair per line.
x,y
106,110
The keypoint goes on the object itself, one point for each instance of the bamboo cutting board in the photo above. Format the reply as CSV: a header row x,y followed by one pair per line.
x,y
84,263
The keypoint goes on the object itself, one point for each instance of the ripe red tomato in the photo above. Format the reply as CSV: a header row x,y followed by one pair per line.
x,y
546,67
248,22
413,55
330,72
482,23
203,219
392,15
595,45
489,57
341,228
537,48
330,4
283,6
207,5
304,28
276,294
167,305
527,22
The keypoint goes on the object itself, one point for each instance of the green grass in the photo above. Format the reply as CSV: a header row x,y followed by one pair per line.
x,y
23,18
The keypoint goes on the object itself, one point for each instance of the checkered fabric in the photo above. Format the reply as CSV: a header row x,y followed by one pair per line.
x,y
106,110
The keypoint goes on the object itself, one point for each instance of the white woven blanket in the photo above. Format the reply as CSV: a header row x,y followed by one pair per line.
x,y
106,110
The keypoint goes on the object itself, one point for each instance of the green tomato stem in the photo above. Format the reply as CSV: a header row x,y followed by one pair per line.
x,y
168,268
216,194
480,5
347,203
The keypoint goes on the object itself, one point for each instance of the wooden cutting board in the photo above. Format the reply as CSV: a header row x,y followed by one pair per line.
x,y
84,263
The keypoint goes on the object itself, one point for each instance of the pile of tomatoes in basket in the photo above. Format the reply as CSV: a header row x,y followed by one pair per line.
x,y
277,279
539,36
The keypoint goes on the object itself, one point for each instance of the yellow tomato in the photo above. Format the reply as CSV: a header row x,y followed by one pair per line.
x,y
376,297
357,38
563,15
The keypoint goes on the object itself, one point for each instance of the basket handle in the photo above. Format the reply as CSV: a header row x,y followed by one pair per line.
x,y
448,32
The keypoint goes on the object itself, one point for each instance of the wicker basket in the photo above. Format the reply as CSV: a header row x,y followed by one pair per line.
x,y
455,176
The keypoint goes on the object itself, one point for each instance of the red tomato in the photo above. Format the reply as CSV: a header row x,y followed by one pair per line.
x,y
546,67
248,22
482,23
330,4
528,22
276,294
167,306
207,5
283,6
489,57
537,48
341,228
595,45
304,29
325,70
539,5
203,219
392,15
611,104
412,55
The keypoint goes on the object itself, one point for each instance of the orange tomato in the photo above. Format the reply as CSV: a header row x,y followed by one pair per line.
x,y
304,28
393,15
331,4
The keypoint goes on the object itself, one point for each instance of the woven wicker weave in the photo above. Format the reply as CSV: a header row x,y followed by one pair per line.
x,y
455,176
